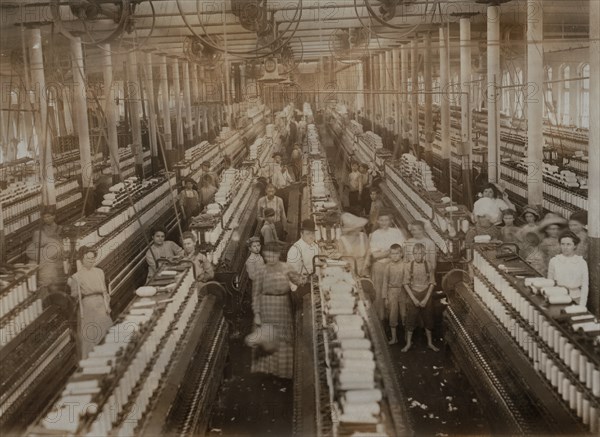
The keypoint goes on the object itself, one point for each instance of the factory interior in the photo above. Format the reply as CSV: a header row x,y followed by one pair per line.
x,y
299,218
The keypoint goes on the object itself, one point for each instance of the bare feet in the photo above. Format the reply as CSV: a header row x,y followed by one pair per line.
x,y
393,341
432,347
406,348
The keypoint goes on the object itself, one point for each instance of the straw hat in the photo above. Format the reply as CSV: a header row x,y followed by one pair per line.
x,y
551,219
351,222
580,216
251,240
531,210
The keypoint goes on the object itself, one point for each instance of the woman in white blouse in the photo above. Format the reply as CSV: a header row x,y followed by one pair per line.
x,y
491,204
570,270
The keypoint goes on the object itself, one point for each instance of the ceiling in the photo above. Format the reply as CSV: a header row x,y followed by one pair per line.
x,y
310,27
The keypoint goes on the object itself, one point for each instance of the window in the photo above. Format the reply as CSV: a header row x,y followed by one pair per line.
x,y
565,95
584,108
548,105
435,85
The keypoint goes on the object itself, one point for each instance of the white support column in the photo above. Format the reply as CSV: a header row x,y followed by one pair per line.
x,y
594,161
110,109
80,111
445,109
360,98
381,99
370,97
135,113
429,135
465,103
404,125
36,63
388,69
188,100
493,92
152,118
166,110
203,98
177,92
535,104
414,77
196,99
396,87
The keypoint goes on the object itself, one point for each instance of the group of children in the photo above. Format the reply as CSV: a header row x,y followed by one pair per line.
x,y
405,280
363,196
544,243
191,199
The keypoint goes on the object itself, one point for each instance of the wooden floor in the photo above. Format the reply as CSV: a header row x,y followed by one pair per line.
x,y
439,398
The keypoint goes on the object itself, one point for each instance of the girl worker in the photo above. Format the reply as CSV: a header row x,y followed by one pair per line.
x,y
570,270
202,266
88,286
161,249
46,249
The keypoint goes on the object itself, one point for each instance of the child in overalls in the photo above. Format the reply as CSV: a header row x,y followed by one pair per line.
x,y
393,279
418,283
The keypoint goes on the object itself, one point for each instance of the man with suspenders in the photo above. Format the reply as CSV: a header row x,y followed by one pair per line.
x,y
300,255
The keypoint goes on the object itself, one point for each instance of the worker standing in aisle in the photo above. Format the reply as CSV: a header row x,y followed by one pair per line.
x,y
255,261
207,171
273,342
189,199
300,256
419,281
355,188
207,191
46,250
268,230
88,287
378,255
392,292
296,160
276,203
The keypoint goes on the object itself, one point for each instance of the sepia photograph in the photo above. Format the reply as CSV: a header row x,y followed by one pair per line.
x,y
299,218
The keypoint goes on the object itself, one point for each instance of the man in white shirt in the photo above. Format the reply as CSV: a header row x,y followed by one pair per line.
x,y
378,254
301,254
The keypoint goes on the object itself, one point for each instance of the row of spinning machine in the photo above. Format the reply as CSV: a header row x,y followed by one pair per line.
x,y
530,354
348,383
154,339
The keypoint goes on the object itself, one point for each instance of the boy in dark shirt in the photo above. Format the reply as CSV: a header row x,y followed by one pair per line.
x,y
418,283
